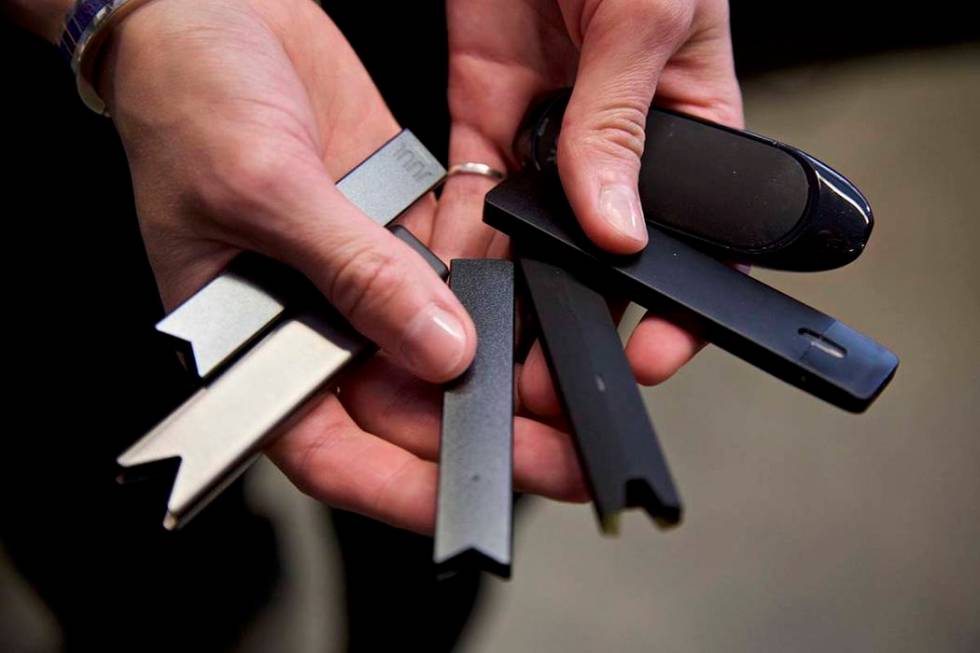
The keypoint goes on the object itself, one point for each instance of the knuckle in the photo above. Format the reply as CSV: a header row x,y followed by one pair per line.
x,y
667,20
617,130
369,277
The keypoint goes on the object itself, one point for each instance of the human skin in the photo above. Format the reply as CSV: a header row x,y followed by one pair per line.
x,y
236,116
621,55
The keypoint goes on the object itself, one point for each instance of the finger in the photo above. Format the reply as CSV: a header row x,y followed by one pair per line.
x,y
658,348
700,79
535,385
329,458
624,47
281,183
388,402
459,230
556,421
291,210
545,462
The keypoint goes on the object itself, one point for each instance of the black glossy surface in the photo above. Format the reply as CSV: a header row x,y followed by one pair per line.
x,y
737,195
720,186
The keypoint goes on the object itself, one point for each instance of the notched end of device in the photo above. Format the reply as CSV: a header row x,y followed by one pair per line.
x,y
163,472
471,559
152,470
149,459
609,523
212,326
663,506
138,466
183,348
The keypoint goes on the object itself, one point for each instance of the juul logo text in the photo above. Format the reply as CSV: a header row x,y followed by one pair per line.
x,y
412,162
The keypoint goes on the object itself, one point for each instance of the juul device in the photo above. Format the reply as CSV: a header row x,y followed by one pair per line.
x,y
620,454
735,194
474,512
264,341
761,325
227,314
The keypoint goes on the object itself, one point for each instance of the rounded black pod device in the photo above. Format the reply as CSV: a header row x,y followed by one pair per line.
x,y
734,194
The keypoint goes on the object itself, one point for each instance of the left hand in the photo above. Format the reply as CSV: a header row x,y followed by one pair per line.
x,y
236,116
621,55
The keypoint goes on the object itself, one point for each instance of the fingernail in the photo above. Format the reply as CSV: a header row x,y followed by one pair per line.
x,y
620,206
435,340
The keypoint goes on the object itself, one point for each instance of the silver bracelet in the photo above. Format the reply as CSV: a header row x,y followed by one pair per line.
x,y
86,28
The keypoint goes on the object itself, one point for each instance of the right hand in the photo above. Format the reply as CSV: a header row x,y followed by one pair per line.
x,y
621,55
236,116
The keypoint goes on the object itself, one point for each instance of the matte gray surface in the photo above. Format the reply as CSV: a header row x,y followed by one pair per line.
x,y
221,429
231,310
394,177
475,502
221,317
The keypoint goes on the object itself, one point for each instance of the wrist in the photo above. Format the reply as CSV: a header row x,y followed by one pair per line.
x,y
87,31
150,47
136,27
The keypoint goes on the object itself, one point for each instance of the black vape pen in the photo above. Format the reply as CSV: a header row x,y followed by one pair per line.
x,y
761,325
737,195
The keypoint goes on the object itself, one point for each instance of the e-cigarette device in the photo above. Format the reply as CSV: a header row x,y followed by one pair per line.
x,y
237,306
474,516
264,341
761,325
623,462
223,427
734,194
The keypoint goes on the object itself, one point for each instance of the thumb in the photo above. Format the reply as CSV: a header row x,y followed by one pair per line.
x,y
386,291
624,47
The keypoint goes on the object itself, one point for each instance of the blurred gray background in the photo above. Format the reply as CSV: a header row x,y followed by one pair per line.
x,y
807,528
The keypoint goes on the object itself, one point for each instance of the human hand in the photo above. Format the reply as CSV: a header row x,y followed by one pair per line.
x,y
621,55
236,116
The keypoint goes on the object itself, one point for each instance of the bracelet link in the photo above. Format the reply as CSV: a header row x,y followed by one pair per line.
x,y
87,28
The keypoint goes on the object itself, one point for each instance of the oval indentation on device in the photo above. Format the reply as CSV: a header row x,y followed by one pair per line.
x,y
721,186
